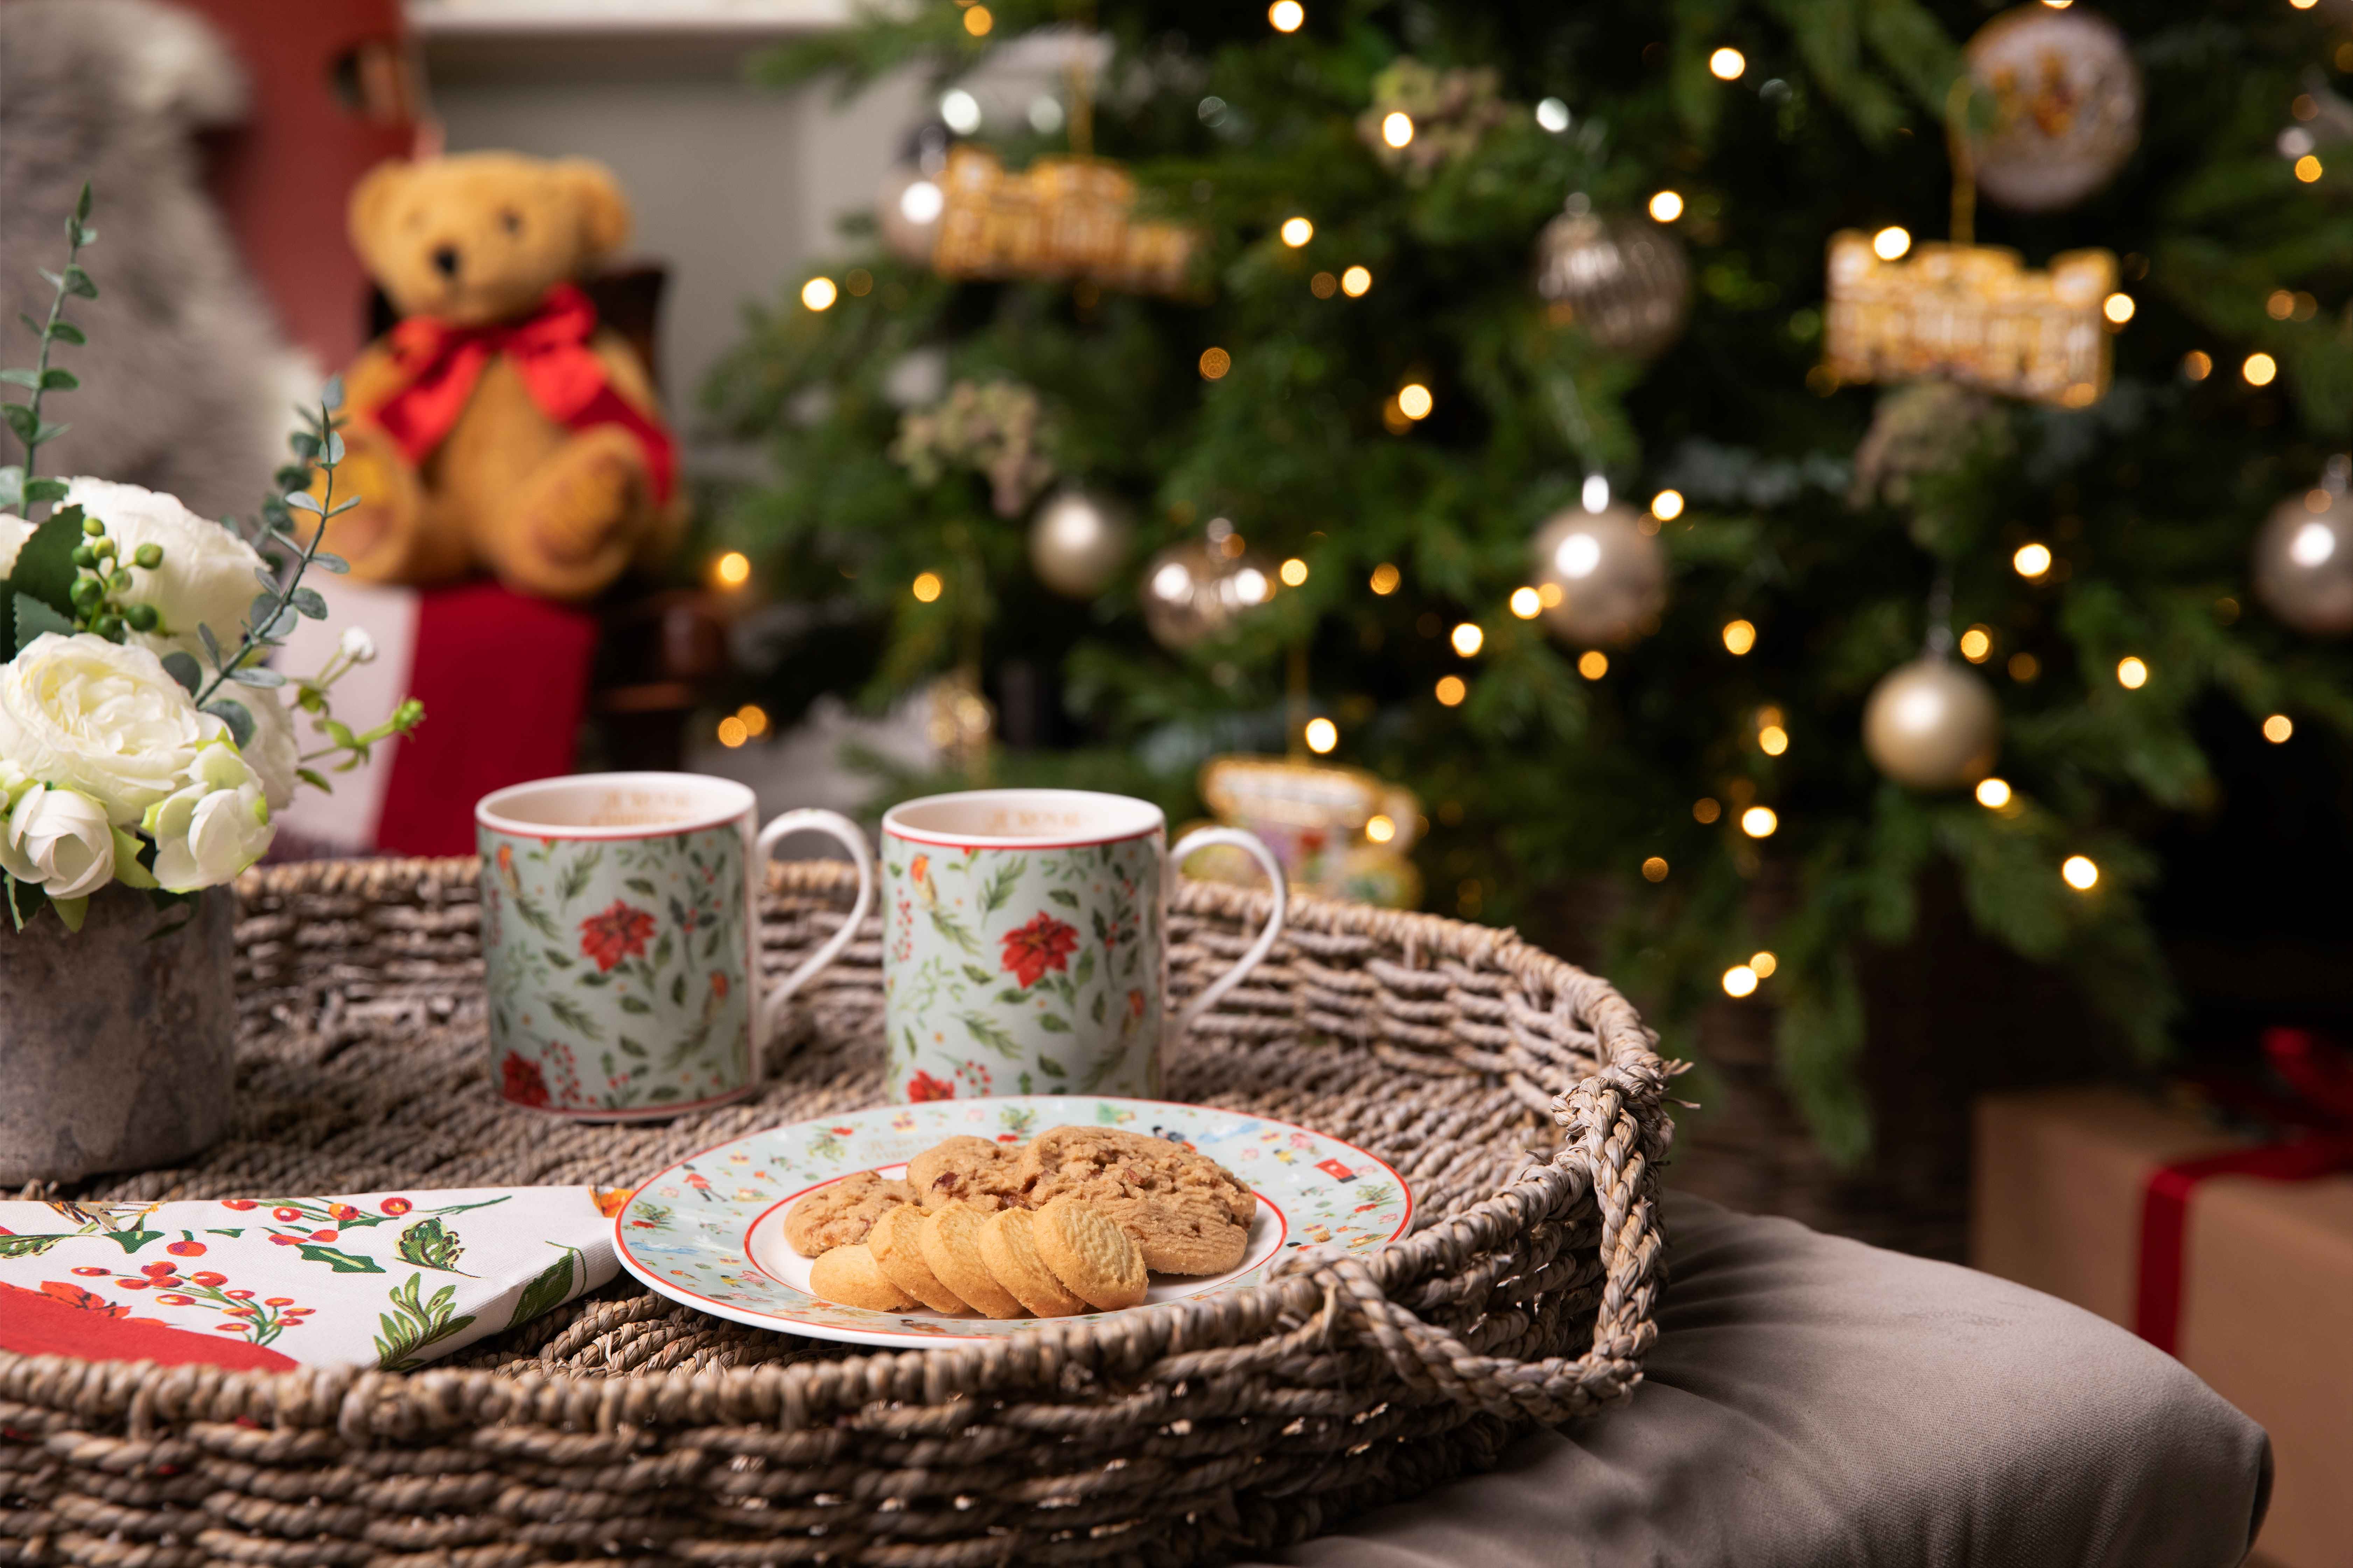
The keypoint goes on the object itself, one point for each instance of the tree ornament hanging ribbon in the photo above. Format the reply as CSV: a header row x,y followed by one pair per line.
x,y
2320,1078
443,362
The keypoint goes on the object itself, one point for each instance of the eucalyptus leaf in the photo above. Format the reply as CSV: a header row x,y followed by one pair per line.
x,y
236,716
212,644
307,602
182,666
34,617
327,562
260,677
65,332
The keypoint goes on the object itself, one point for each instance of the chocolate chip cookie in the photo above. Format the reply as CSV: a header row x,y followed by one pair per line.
x,y
971,1170
841,1213
1186,1214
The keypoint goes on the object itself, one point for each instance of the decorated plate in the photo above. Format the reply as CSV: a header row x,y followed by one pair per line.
x,y
710,1231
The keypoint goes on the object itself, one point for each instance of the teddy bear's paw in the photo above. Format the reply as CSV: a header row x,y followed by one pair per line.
x,y
577,522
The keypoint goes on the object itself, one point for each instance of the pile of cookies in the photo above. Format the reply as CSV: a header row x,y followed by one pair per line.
x,y
1072,1222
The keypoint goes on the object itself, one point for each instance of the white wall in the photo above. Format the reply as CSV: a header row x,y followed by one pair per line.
x,y
733,185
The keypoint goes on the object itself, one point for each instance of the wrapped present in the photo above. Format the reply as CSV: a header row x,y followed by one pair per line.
x,y
389,1280
2234,1251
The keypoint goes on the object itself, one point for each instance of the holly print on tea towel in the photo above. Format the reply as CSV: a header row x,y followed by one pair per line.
x,y
379,1280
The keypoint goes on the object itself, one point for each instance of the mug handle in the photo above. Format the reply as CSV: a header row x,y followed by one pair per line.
x,y
1201,839
809,820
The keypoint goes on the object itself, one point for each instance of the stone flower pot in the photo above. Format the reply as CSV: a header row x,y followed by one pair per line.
x,y
117,1046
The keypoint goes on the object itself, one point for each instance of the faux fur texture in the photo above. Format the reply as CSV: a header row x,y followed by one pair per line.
x,y
187,379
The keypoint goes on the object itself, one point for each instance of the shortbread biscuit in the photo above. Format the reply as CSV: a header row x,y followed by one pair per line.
x,y
1089,1253
952,1247
1009,1247
842,1213
1187,1213
985,1174
848,1275
897,1244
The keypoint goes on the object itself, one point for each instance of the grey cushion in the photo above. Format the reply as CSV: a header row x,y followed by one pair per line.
x,y
1815,1402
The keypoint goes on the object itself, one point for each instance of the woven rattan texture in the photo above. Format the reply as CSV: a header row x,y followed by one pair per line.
x,y
1519,1097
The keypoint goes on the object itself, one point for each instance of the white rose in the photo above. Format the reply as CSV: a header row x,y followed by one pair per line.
x,y
59,839
14,532
206,574
79,712
214,827
275,749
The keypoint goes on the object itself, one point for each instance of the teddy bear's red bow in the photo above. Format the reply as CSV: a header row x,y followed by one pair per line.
x,y
549,348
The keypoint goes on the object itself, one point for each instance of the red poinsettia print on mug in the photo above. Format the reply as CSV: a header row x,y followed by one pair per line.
x,y
520,1081
1044,943
924,1086
620,933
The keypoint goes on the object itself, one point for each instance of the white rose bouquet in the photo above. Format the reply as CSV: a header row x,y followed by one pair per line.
x,y
143,737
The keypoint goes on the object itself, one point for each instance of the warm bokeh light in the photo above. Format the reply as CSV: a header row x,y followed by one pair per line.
x,y
1397,129
2278,727
1322,735
1667,505
2131,673
1379,830
755,718
2118,307
2024,667
1355,281
2031,560
1705,810
1890,243
1654,870
818,293
732,570
1593,664
1726,64
1772,740
1552,114
2080,872
2197,364
733,733
1322,285
1977,645
1414,401
1285,16
2279,305
1666,206
1739,636
1295,573
1385,579
2307,168
860,281
1526,604
1297,231
1993,793
978,21
1452,691
1468,639
927,586
1215,362
1758,822
1739,981
1548,594
1764,963
2259,369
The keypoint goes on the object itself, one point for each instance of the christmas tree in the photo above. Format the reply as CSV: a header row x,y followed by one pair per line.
x,y
1484,423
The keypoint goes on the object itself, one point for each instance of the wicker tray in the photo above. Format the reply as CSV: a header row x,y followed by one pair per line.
x,y
1519,1097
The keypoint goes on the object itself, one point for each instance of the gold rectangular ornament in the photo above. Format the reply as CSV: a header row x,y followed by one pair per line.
x,y
1062,218
1971,314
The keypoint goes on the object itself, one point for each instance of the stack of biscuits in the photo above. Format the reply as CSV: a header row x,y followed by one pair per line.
x,y
1070,1222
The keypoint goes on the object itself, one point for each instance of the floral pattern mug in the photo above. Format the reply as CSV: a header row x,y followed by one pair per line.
x,y
620,939
1025,946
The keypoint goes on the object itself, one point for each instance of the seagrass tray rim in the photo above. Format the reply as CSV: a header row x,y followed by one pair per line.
x,y
1613,1129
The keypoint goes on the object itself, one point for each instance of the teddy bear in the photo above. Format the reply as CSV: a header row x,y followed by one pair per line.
x,y
497,427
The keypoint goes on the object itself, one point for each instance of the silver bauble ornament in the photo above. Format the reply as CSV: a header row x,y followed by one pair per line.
x,y
1078,540
1610,576
2303,559
907,209
2066,106
1932,724
1622,279
1194,591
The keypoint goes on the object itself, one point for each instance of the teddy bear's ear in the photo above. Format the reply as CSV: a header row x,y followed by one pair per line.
x,y
597,197
371,198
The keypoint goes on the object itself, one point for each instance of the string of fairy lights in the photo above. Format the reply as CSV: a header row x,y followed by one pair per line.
x,y
1413,402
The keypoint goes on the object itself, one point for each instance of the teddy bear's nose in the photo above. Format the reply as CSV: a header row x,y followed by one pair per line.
x,y
445,261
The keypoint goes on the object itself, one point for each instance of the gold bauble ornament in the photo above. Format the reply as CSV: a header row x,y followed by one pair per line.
x,y
907,209
1604,579
1622,280
2304,558
1078,541
1932,724
1197,589
2066,106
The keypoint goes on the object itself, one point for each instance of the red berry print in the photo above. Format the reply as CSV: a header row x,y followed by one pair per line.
x,y
323,1235
285,1215
186,1249
396,1206
156,1269
208,1279
238,1295
89,1272
239,1204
